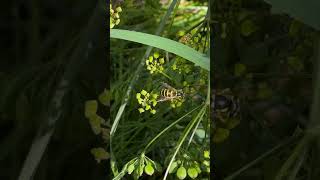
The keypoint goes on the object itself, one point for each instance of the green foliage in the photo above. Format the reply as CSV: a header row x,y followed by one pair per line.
x,y
181,172
137,81
147,101
100,154
267,59
114,16
165,44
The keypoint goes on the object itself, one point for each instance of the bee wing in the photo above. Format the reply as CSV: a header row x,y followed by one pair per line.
x,y
161,99
167,86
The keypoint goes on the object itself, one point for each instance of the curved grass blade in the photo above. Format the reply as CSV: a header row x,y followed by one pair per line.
x,y
169,45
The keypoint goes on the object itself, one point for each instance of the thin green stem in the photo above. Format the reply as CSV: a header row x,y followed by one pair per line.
x,y
184,136
260,158
167,128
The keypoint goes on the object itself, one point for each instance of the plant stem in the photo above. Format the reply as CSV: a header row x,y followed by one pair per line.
x,y
167,128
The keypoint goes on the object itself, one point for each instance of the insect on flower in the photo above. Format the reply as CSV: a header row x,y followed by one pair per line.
x,y
169,93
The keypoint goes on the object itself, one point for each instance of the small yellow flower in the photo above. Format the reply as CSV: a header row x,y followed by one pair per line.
x,y
143,92
141,110
156,55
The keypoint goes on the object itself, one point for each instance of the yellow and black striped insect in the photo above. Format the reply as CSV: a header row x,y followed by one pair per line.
x,y
225,105
186,38
169,93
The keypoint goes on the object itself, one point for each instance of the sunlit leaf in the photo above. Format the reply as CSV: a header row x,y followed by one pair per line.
x,y
91,108
100,154
95,123
149,169
163,43
181,172
193,173
104,97
220,135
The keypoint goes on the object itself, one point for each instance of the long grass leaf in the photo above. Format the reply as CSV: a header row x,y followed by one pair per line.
x,y
169,45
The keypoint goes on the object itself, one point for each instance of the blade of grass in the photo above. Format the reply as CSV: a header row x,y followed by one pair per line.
x,y
184,136
299,163
168,45
293,157
89,34
260,158
167,128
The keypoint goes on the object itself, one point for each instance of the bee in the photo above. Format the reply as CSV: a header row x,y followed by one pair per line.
x,y
225,105
169,93
186,38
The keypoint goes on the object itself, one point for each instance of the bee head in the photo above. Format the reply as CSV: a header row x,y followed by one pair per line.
x,y
180,93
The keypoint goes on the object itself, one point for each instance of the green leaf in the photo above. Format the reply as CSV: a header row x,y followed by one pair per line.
x,y
95,123
165,44
201,133
104,97
181,173
193,173
248,27
100,154
220,135
173,167
206,154
131,168
90,108
141,166
149,169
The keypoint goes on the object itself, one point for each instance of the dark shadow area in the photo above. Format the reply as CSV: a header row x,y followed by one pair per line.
x,y
54,57
262,69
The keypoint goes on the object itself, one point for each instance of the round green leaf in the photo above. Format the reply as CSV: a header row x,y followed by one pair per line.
x,y
100,154
206,154
181,173
220,135
90,108
95,123
104,97
149,169
193,173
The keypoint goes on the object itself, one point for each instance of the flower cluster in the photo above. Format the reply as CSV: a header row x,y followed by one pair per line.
x,y
114,16
176,103
192,168
141,164
98,124
155,63
148,101
181,66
